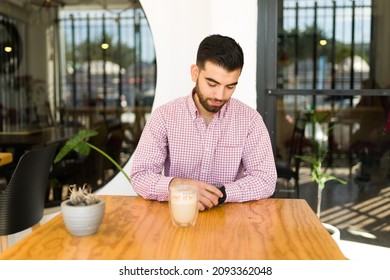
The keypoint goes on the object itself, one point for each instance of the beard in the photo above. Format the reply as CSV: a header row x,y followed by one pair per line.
x,y
204,101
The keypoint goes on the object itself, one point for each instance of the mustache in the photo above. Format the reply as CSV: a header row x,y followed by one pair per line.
x,y
218,100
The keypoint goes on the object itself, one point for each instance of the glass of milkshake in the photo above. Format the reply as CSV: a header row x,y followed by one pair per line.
x,y
183,205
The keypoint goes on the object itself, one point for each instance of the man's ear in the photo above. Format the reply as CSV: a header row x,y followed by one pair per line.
x,y
194,72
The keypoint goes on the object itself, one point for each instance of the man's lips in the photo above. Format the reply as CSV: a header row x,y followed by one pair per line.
x,y
216,103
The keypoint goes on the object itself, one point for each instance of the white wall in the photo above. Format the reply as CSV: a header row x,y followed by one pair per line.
x,y
177,27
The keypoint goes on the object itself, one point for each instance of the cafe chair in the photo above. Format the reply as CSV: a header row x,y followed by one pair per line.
x,y
22,201
95,166
289,170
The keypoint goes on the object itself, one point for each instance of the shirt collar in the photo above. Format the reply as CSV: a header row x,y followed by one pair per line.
x,y
191,105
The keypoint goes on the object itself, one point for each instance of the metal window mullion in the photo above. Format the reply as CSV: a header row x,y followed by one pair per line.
x,y
315,55
266,63
296,58
327,92
104,54
89,61
352,72
74,74
372,51
120,87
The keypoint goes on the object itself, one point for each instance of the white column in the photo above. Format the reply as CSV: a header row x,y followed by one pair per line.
x,y
178,27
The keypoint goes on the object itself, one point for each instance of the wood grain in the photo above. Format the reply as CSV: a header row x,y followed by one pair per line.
x,y
134,228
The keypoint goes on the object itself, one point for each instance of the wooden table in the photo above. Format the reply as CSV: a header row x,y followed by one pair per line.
x,y
134,228
5,158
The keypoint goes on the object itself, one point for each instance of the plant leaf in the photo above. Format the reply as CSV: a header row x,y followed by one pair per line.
x,y
310,159
82,148
77,143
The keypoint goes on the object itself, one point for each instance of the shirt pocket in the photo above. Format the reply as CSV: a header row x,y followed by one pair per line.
x,y
227,162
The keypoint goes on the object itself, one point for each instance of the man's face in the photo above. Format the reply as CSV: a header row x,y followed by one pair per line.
x,y
214,86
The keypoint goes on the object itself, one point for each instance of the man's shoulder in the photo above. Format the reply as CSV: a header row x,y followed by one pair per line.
x,y
172,106
240,107
174,103
177,101
244,115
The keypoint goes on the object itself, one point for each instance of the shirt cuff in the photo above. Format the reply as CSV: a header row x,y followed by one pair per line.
x,y
162,188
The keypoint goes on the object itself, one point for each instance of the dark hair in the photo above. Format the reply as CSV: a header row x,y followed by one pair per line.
x,y
221,50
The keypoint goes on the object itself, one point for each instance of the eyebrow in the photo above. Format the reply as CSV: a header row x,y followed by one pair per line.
x,y
214,81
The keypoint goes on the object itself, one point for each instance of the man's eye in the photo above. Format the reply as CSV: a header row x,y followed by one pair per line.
x,y
212,85
231,87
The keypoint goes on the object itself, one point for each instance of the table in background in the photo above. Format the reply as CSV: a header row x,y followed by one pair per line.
x,y
90,116
5,158
20,141
134,228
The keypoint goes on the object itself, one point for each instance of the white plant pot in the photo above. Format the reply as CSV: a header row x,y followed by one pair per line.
x,y
334,231
83,220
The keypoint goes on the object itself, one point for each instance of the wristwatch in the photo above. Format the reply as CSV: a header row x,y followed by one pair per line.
x,y
223,198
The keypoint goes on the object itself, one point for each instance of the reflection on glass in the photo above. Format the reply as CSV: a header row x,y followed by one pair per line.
x,y
110,58
337,45
324,44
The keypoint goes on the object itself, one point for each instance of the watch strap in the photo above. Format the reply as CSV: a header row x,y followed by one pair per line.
x,y
222,199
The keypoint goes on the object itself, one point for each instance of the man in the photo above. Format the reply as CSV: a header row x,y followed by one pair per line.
x,y
207,138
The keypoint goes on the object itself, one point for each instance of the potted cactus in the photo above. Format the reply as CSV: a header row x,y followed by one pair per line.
x,y
83,212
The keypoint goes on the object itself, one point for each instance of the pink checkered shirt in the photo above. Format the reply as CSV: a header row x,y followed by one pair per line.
x,y
234,150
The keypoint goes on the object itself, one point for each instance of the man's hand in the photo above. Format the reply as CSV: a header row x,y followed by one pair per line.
x,y
208,194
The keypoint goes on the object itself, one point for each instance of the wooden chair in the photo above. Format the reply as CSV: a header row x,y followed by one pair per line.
x,y
22,201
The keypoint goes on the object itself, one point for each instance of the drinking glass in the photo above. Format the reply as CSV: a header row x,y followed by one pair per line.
x,y
183,205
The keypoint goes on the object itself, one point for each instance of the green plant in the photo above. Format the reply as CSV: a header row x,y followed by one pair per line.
x,y
81,196
79,143
319,174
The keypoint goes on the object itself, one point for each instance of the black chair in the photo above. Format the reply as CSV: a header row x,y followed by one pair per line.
x,y
22,200
290,170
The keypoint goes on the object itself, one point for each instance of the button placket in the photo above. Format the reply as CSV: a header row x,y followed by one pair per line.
x,y
209,141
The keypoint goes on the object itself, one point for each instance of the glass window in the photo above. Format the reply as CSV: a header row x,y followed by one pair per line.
x,y
107,83
332,60
109,58
325,44
332,70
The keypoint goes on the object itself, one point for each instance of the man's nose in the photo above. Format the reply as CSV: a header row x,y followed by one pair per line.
x,y
219,93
